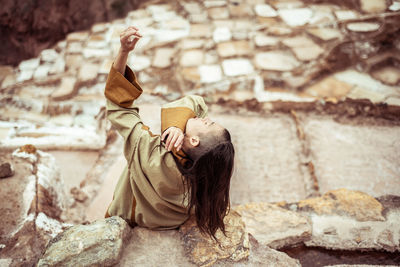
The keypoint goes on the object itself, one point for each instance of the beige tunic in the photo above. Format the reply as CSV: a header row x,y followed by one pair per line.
x,y
150,191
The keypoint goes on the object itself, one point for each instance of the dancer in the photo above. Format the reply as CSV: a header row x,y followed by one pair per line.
x,y
182,172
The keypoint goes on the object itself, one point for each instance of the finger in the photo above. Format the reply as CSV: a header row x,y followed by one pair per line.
x,y
174,138
126,34
167,143
165,133
179,141
133,38
133,27
179,147
134,41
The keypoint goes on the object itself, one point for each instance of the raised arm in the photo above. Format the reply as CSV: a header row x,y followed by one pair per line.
x,y
128,38
121,90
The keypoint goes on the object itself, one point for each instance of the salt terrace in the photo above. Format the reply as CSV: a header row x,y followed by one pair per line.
x,y
310,91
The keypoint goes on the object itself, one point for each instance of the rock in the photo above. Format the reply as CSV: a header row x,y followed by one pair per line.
x,y
30,64
273,226
395,6
240,10
99,27
338,232
237,66
395,101
262,255
78,194
165,36
30,149
296,16
107,63
58,66
138,13
6,170
98,53
99,243
387,75
192,43
262,40
235,48
210,73
325,34
161,12
62,120
203,250
66,90
199,18
162,57
222,34
5,262
74,48
191,74
211,57
73,62
200,30
77,36
222,86
138,63
373,6
190,58
88,72
322,15
149,248
218,13
366,84
224,24
304,48
141,22
8,80
287,4
375,141
25,75
242,29
264,10
279,30
32,202
276,60
97,41
363,26
359,265
329,87
346,14
241,96
355,204
41,72
192,7
214,3
5,71
49,55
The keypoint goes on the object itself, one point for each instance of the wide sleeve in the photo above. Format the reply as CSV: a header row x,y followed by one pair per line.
x,y
121,91
178,112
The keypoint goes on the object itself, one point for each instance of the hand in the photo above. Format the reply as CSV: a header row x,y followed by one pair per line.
x,y
128,38
175,138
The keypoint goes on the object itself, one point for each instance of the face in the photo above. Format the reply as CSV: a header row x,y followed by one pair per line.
x,y
196,126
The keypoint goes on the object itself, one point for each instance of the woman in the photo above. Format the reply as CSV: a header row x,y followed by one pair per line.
x,y
184,171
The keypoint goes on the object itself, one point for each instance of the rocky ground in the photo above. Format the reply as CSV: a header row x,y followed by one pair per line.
x,y
309,91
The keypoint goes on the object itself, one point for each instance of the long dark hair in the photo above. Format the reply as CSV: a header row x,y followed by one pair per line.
x,y
207,181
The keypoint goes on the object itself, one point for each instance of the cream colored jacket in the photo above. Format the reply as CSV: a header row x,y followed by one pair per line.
x,y
150,190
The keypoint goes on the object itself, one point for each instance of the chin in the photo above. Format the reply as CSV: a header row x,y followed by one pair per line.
x,y
189,123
